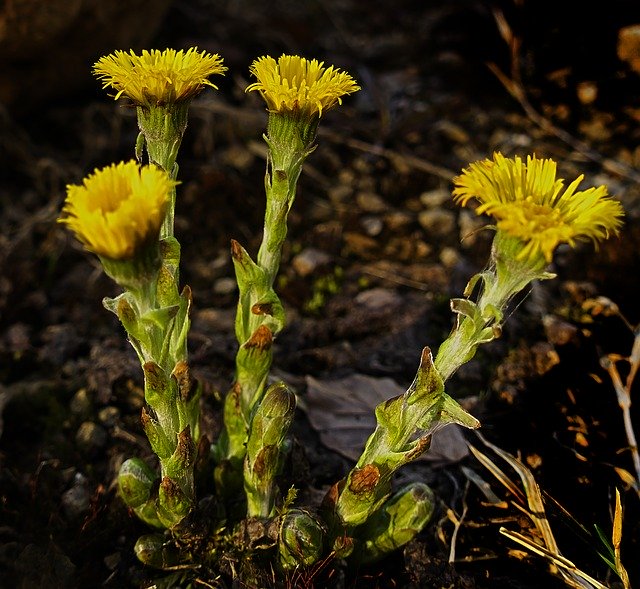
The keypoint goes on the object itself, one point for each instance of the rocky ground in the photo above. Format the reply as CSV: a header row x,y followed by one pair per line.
x,y
376,249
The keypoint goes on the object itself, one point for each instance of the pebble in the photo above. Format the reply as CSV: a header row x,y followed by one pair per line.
x,y
91,436
378,298
369,202
76,500
109,416
398,220
435,198
111,561
449,257
238,157
587,92
224,286
81,404
309,261
437,222
372,225
340,194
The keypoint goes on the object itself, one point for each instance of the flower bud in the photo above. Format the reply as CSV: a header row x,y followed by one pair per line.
x,y
135,481
301,539
396,522
156,550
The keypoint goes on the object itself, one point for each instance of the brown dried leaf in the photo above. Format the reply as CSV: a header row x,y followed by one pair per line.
x,y
342,412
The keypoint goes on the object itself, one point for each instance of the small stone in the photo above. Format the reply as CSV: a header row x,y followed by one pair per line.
x,y
340,194
319,210
435,198
91,437
224,286
76,500
109,416
432,276
238,157
397,220
376,299
81,404
449,257
309,261
372,226
598,128
587,92
359,244
371,202
629,46
407,248
437,222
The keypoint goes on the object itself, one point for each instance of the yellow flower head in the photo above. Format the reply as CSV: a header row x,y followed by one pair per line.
x,y
118,209
529,203
296,84
156,77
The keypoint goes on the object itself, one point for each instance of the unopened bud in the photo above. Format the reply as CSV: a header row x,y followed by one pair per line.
x,y
396,522
301,539
135,481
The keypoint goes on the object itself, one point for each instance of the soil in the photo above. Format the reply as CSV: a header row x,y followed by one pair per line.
x,y
373,222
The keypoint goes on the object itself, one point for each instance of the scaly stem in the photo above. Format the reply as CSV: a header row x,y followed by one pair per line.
x,y
259,315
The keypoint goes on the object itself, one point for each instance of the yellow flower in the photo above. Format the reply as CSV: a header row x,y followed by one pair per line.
x,y
294,83
156,77
529,203
118,209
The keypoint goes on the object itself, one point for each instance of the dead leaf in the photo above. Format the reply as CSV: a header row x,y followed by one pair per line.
x,y
342,411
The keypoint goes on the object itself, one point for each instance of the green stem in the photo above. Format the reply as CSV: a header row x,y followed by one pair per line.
x,y
259,315
507,277
404,423
163,127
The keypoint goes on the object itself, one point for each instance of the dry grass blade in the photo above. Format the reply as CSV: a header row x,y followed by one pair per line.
x,y
482,485
534,497
570,574
617,540
494,469
564,564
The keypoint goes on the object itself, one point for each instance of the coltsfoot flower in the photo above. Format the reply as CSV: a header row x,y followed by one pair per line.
x,y
294,83
158,77
531,204
118,209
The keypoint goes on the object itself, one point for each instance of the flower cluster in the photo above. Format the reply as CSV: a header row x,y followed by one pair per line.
x,y
531,204
158,77
295,83
118,209
124,214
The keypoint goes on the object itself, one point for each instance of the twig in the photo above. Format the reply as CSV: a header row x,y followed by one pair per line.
x,y
623,393
458,523
413,162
